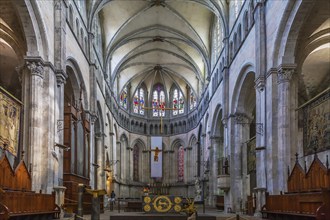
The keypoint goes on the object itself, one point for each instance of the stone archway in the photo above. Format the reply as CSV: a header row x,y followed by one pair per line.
x,y
218,156
243,105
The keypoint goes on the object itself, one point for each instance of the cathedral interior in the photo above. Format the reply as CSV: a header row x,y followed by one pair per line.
x,y
226,102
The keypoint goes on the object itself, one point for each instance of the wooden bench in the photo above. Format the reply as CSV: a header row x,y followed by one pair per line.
x,y
308,195
297,206
16,198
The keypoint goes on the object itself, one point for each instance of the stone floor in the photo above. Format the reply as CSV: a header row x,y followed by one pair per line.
x,y
209,211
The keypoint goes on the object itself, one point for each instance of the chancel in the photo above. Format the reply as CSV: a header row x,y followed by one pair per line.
x,y
183,109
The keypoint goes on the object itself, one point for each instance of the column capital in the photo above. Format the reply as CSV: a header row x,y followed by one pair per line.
x,y
285,72
91,116
241,118
36,67
61,77
260,83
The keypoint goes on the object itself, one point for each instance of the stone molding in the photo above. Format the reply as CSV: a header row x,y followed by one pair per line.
x,y
285,73
214,137
270,72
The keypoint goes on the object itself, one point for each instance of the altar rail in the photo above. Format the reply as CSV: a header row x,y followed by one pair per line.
x,y
16,198
308,195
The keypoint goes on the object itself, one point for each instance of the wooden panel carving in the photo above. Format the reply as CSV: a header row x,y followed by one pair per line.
x,y
296,180
19,179
316,178
308,194
6,174
23,177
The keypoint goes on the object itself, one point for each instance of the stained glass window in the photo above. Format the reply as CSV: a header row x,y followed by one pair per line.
x,y
138,101
123,98
136,163
193,101
181,164
141,101
158,101
217,41
178,102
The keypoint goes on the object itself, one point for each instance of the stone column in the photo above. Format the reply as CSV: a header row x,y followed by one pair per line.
x,y
59,195
260,145
214,157
60,66
93,118
261,62
35,71
81,189
59,119
238,162
284,75
99,146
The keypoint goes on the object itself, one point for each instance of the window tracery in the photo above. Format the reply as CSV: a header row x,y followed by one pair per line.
x,y
138,101
178,102
158,101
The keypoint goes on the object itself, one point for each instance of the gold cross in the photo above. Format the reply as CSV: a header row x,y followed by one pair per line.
x,y
161,116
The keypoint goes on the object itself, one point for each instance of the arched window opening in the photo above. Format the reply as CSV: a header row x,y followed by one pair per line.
x,y
123,98
71,16
158,101
138,101
77,28
178,102
193,101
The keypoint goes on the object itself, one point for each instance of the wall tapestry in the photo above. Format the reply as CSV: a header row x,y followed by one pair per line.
x,y
10,111
317,125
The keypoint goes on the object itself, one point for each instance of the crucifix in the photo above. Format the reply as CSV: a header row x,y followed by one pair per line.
x,y
157,151
162,108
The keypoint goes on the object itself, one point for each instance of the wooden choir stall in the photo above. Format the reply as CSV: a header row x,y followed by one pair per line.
x,y
308,195
17,200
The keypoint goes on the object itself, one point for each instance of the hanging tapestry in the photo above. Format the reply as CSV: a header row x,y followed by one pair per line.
x,y
10,111
156,157
317,124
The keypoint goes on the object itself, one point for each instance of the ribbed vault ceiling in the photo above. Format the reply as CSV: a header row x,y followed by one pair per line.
x,y
158,41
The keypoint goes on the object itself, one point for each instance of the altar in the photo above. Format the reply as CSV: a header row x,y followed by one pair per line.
x,y
162,204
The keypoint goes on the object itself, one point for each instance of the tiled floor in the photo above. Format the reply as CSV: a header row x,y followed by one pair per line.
x,y
219,214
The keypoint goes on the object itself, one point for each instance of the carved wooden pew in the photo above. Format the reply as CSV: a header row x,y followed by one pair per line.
x,y
308,195
16,198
